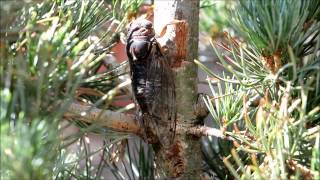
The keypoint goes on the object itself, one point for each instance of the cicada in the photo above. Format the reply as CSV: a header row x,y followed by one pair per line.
x,y
152,83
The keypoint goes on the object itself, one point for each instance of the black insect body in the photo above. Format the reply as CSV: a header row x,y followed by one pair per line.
x,y
152,82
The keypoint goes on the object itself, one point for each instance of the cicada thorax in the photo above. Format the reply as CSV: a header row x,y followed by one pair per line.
x,y
152,81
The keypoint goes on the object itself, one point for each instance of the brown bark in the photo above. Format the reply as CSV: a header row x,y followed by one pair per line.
x,y
106,118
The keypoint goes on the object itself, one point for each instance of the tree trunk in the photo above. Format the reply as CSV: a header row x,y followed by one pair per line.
x,y
186,79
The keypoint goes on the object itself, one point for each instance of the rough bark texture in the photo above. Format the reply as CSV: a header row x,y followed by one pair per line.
x,y
186,79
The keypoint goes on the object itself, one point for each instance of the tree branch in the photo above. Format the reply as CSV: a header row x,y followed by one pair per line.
x,y
205,131
127,123
109,119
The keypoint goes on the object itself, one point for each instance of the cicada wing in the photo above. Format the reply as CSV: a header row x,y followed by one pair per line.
x,y
160,87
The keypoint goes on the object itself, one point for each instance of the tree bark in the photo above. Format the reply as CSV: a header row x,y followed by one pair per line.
x,y
186,78
106,118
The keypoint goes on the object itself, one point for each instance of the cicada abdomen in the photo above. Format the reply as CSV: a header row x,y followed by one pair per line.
x,y
152,82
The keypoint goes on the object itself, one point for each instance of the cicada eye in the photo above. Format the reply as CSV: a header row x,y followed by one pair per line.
x,y
140,49
148,25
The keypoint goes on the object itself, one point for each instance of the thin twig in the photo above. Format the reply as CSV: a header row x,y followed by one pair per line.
x,y
110,119
204,131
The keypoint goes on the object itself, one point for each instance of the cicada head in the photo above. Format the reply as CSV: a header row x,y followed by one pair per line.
x,y
140,29
140,38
